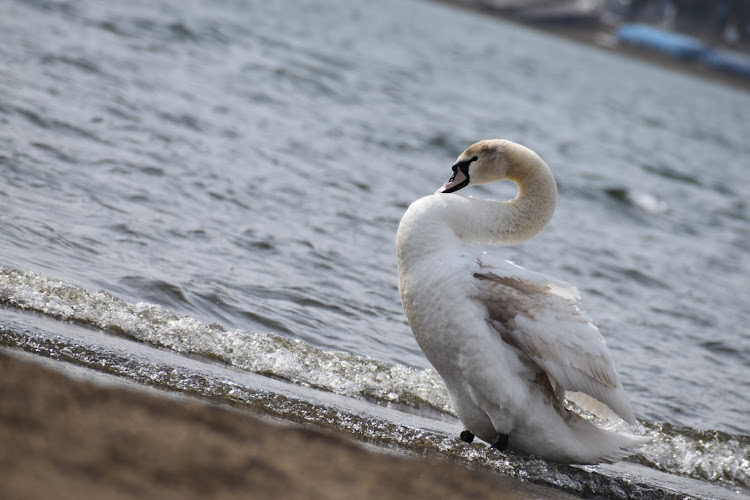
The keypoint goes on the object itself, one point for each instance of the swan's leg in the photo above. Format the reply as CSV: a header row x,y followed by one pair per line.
x,y
467,436
500,442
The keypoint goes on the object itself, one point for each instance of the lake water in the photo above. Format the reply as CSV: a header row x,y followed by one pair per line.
x,y
195,192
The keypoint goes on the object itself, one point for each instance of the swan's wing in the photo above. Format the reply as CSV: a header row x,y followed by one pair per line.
x,y
540,316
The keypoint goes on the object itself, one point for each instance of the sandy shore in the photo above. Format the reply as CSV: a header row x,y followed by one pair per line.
x,y
62,437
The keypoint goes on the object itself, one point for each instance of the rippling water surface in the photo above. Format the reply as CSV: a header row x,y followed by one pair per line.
x,y
225,179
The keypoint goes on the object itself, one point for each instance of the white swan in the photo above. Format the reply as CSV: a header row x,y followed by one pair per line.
x,y
509,343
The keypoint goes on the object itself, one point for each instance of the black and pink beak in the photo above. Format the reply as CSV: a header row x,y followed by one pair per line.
x,y
460,177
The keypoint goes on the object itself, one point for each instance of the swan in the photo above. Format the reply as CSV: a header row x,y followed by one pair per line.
x,y
510,344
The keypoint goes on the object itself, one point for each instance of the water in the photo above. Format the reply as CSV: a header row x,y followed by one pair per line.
x,y
222,181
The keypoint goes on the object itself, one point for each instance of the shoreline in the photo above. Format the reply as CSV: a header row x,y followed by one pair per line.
x,y
603,37
64,436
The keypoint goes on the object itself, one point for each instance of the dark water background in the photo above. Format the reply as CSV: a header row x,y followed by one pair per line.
x,y
231,175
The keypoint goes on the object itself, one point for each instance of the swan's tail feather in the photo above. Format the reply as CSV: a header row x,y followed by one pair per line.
x,y
602,445
574,440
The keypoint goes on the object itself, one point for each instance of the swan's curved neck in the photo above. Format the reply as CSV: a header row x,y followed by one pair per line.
x,y
431,222
509,222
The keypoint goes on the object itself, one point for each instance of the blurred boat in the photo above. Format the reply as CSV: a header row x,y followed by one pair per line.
x,y
549,10
576,11
727,60
680,46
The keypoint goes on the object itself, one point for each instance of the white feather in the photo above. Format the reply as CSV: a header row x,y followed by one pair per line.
x,y
540,316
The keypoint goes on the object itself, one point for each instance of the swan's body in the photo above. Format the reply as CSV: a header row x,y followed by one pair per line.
x,y
507,342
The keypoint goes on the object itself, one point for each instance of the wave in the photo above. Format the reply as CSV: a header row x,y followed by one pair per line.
x,y
707,455
646,202
263,353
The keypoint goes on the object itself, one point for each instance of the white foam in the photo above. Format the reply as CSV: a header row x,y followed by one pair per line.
x,y
263,353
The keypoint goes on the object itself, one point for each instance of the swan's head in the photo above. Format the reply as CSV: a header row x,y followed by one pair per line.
x,y
482,163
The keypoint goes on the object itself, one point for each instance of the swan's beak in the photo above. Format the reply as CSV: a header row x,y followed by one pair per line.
x,y
458,180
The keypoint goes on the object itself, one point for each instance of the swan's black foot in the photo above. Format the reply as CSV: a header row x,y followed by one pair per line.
x,y
467,436
500,442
